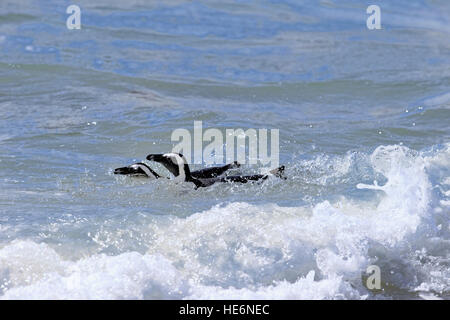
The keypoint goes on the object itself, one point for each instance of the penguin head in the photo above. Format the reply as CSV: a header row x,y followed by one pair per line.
x,y
138,170
174,162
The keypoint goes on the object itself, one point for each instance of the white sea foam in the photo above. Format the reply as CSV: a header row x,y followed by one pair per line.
x,y
38,272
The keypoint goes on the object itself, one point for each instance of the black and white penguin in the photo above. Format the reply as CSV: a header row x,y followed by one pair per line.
x,y
178,166
138,170
143,170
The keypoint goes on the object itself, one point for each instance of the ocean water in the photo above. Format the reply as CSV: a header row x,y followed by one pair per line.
x,y
364,134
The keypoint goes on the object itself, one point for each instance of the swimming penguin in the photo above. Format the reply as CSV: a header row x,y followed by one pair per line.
x,y
178,166
137,170
143,170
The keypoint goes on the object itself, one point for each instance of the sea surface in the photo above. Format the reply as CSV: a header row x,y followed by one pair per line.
x,y
364,124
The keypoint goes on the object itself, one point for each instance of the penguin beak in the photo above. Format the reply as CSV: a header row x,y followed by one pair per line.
x,y
155,157
124,171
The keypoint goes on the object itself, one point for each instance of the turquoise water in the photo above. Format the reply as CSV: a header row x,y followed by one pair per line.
x,y
353,106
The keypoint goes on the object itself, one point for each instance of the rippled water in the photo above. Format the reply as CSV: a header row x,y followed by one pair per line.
x,y
353,106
